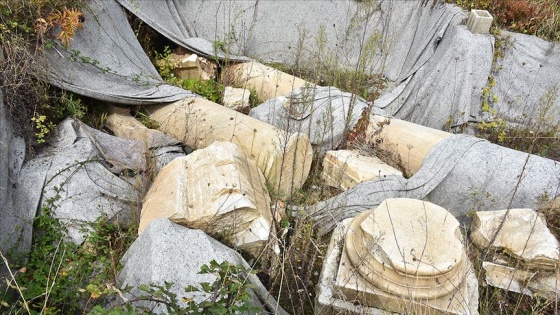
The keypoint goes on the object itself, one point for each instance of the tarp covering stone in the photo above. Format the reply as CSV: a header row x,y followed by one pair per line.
x,y
527,73
167,251
83,174
167,17
446,91
12,154
105,61
461,174
267,30
325,114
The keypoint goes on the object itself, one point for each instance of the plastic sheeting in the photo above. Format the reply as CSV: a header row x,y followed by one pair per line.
x,y
168,18
325,114
167,251
12,154
461,174
105,61
529,70
267,30
83,175
446,91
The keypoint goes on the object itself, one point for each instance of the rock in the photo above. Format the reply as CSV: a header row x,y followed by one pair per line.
x,y
123,125
479,21
15,224
405,256
345,168
267,82
216,189
523,255
521,235
164,148
167,252
82,175
403,144
527,282
283,158
236,99
337,267
191,66
325,114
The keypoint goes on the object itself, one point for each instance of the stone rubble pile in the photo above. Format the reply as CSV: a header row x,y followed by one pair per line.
x,y
519,252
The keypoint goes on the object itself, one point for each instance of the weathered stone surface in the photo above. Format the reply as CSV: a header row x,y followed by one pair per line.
x,y
330,300
236,99
267,82
284,159
173,253
345,168
405,255
527,282
216,189
164,148
479,21
191,66
405,144
123,125
522,234
83,174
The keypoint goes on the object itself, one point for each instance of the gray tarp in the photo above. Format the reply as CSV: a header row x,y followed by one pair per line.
x,y
445,92
320,112
529,69
461,174
267,30
166,17
89,173
105,61
166,251
423,46
12,154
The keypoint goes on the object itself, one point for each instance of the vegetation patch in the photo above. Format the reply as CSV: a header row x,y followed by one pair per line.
x,y
532,17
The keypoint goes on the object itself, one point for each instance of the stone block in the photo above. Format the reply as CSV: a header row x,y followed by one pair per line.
x,y
216,189
402,143
266,81
283,158
345,169
123,125
332,300
522,234
479,21
236,99
527,282
405,256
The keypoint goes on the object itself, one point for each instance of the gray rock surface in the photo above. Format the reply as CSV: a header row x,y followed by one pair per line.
x,y
82,175
325,114
461,174
12,153
169,252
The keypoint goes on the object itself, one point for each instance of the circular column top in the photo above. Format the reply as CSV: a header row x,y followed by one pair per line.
x,y
408,247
